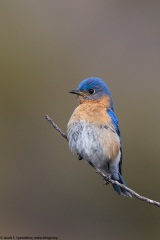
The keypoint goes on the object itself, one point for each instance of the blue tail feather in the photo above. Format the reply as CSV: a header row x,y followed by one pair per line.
x,y
118,189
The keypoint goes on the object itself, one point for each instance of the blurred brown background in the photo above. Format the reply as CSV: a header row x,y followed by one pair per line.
x,y
46,49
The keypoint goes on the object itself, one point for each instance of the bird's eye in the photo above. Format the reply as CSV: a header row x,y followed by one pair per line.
x,y
91,91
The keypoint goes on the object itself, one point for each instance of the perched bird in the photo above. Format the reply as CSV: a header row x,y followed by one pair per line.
x,y
93,130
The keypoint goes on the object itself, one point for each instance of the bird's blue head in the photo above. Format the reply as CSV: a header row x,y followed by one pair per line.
x,y
93,88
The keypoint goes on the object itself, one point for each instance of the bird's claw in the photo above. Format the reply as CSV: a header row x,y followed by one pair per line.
x,y
79,157
107,178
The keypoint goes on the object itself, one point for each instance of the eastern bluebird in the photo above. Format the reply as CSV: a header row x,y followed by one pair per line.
x,y
93,130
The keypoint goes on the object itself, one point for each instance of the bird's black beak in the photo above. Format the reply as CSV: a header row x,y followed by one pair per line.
x,y
76,92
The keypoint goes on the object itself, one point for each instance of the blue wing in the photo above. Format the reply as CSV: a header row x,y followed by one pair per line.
x,y
116,127
115,123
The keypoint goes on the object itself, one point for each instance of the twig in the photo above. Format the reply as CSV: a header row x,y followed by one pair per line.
x,y
55,126
105,177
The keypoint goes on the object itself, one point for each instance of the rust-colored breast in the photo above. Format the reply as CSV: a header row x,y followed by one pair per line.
x,y
92,111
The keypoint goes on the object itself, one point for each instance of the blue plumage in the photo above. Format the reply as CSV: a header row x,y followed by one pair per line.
x,y
101,89
114,119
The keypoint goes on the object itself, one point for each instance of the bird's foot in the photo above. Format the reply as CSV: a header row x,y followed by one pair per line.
x,y
107,177
79,157
105,174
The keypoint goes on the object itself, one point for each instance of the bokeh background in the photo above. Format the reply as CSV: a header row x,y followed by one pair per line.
x,y
46,49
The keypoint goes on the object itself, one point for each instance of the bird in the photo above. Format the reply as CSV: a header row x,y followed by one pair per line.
x,y
93,131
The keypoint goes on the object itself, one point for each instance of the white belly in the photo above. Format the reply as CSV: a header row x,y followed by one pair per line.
x,y
93,143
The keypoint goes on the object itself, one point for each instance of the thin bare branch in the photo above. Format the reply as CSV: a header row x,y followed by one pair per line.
x,y
106,178
55,126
